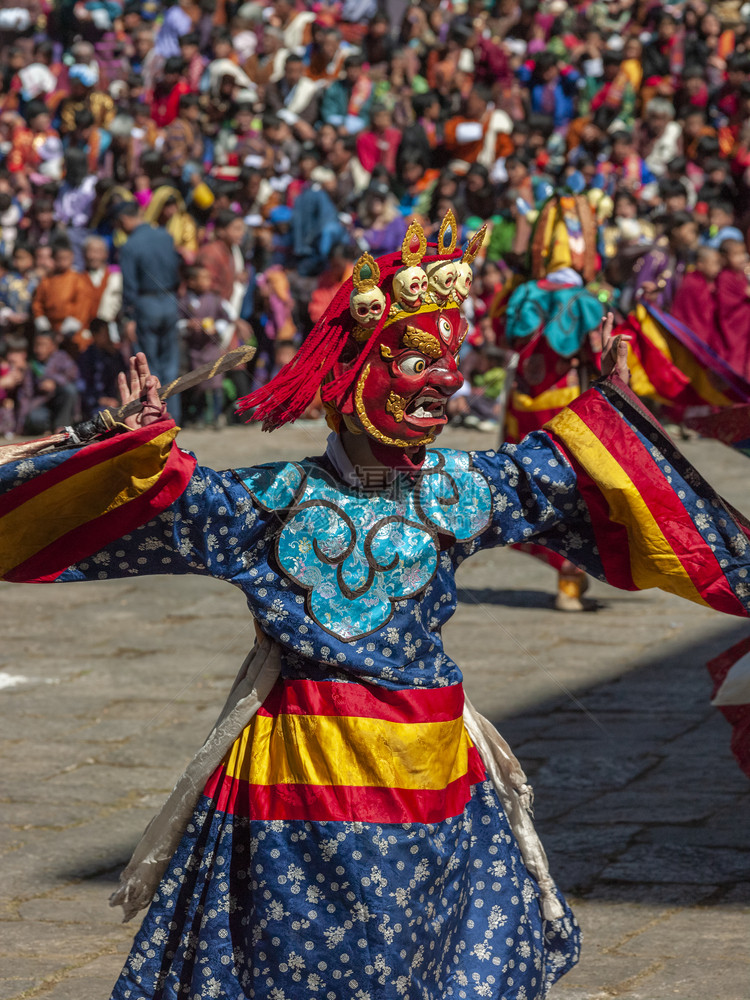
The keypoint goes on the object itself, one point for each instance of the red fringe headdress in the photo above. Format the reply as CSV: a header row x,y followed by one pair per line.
x,y
316,365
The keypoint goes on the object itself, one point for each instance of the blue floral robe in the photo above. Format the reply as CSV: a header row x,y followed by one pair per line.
x,y
350,845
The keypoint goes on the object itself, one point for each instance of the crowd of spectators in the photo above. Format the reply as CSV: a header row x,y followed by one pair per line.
x,y
187,177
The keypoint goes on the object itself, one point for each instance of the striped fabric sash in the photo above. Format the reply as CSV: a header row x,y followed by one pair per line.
x,y
330,750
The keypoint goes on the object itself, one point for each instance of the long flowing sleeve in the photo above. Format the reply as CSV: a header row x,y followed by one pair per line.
x,y
60,507
604,486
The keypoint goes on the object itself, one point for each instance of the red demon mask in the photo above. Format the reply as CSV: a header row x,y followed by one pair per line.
x,y
406,378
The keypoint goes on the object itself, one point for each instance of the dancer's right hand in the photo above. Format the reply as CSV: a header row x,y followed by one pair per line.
x,y
141,384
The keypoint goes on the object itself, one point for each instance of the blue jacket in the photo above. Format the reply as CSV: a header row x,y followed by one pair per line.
x,y
149,265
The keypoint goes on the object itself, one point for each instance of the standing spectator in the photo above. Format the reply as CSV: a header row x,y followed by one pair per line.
x,y
148,261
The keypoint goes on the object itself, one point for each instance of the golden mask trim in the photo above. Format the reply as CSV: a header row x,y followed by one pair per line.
x,y
449,222
365,284
413,257
371,429
474,245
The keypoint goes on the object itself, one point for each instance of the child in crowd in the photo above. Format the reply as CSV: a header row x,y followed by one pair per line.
x,y
206,328
99,365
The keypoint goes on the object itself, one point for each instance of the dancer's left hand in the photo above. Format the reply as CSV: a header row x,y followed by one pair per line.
x,y
614,351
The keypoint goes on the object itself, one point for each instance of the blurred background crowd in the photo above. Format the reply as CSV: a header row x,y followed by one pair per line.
x,y
184,178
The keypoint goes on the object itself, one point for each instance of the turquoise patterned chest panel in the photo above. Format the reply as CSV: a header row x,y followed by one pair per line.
x,y
355,553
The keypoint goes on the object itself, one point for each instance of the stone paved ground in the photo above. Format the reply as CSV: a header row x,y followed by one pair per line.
x,y
645,816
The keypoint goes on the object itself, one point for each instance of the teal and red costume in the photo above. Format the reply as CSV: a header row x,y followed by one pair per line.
x,y
359,830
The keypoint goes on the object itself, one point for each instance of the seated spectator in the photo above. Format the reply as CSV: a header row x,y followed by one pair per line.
x,y
673,195
380,220
346,102
74,203
480,134
659,136
104,282
47,399
17,286
378,146
169,88
167,208
295,97
351,176
617,94
61,295
658,273
625,169
194,62
325,57
182,140
552,86
13,364
340,267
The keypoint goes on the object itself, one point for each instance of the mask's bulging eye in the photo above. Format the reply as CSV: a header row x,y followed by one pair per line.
x,y
446,330
413,366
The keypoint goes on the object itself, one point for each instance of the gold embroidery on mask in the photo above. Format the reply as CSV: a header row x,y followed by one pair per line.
x,y
396,405
422,341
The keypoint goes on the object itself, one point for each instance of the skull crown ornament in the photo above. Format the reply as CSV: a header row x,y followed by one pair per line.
x,y
367,302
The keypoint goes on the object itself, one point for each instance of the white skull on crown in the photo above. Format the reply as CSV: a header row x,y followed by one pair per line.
x,y
367,302
410,287
367,307
441,275
464,281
